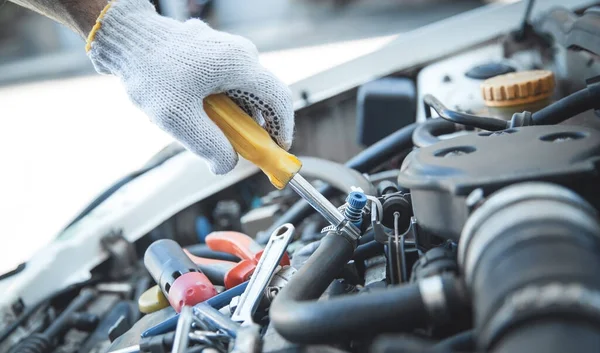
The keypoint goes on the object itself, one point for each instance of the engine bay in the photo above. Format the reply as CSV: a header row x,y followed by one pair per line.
x,y
470,225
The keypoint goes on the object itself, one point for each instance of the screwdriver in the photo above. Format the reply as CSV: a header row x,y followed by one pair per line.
x,y
253,143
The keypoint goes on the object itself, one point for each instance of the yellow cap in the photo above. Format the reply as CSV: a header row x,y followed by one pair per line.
x,y
152,300
517,88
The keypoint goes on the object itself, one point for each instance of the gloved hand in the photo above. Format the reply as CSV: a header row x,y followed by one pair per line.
x,y
168,67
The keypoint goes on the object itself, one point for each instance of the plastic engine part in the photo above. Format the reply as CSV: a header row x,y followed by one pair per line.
x,y
384,106
356,201
441,176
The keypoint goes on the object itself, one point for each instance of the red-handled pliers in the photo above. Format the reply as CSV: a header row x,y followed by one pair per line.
x,y
238,244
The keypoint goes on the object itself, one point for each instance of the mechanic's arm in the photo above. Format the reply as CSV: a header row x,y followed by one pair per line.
x,y
168,68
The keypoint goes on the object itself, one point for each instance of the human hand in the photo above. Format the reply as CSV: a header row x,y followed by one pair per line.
x,y
168,68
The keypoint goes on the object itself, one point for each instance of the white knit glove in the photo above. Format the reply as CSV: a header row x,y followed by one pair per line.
x,y
168,67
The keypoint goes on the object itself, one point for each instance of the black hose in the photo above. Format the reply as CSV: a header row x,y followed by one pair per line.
x,y
568,107
367,238
462,342
46,341
63,321
529,255
426,134
368,250
481,122
299,318
363,162
29,311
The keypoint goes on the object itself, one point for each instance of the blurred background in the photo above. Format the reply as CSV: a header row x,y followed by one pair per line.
x,y
67,133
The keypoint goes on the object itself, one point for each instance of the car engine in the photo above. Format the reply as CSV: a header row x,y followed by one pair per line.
x,y
474,202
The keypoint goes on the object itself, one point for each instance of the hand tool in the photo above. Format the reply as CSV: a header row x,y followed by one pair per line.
x,y
152,300
179,278
218,301
265,269
164,343
184,326
242,246
215,270
253,143
248,339
214,320
218,272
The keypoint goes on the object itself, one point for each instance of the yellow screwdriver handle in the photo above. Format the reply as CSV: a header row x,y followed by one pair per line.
x,y
251,141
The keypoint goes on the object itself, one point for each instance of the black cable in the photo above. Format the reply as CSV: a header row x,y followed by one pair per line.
x,y
520,35
373,156
399,238
569,106
426,134
480,122
28,312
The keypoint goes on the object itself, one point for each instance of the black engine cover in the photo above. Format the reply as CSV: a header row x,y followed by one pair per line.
x,y
441,176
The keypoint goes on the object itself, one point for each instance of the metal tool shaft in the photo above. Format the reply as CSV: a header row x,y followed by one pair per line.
x,y
321,204
316,200
184,325
265,269
131,349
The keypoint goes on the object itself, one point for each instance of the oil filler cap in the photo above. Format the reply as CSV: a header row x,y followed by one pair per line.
x,y
518,88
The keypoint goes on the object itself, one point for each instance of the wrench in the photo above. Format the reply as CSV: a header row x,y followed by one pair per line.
x,y
265,269
184,325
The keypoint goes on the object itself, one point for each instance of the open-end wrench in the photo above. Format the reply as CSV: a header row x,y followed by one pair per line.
x,y
265,269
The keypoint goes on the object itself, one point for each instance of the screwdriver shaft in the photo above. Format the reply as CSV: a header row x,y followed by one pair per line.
x,y
321,204
316,200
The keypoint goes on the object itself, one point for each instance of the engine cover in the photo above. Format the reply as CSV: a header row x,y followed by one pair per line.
x,y
441,176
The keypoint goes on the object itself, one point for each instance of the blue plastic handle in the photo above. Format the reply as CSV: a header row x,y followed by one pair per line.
x,y
218,301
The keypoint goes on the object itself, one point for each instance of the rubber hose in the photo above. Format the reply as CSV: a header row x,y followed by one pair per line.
x,y
335,174
482,122
36,343
426,134
530,255
567,107
368,250
363,162
300,318
63,321
462,342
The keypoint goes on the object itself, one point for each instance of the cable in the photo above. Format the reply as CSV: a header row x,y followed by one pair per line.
x,y
399,240
376,205
569,106
28,312
480,122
